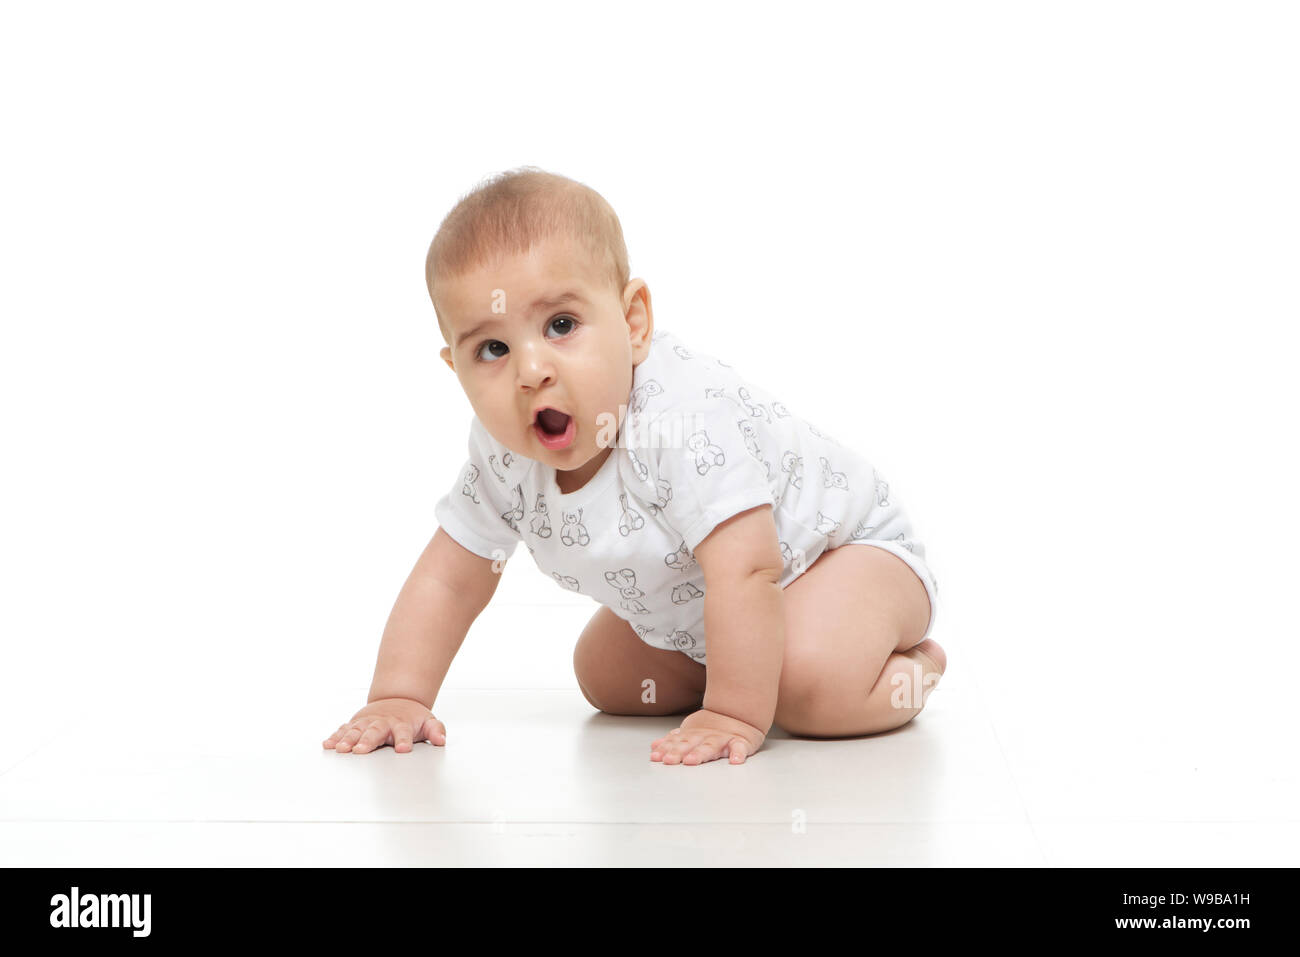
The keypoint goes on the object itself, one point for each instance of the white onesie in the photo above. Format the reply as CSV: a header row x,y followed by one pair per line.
x,y
698,445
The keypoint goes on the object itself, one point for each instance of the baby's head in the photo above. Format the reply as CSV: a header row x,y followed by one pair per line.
x,y
529,279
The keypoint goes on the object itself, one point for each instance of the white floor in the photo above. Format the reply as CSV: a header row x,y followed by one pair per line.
x,y
233,773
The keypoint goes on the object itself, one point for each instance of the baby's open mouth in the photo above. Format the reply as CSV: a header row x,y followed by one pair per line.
x,y
552,421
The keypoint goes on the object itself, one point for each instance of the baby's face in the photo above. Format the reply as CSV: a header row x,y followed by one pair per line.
x,y
545,329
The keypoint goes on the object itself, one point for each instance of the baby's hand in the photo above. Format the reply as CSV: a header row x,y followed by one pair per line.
x,y
706,736
395,721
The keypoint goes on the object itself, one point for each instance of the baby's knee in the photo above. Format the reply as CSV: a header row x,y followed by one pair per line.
x,y
645,698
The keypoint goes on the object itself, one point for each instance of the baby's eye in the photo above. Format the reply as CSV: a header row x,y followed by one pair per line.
x,y
572,323
487,343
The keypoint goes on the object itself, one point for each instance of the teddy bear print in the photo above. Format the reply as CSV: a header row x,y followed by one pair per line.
x,y
757,410
902,540
630,520
629,595
750,435
505,461
831,478
639,467
707,455
863,530
684,592
882,489
779,410
469,488
715,394
681,560
826,525
682,640
663,495
642,395
541,525
794,465
642,631
573,530
682,353
565,581
515,512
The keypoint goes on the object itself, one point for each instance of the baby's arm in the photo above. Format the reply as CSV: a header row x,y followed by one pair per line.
x,y
744,624
442,597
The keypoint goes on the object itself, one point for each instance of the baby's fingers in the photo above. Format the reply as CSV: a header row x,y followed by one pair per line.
x,y
661,746
349,739
708,749
375,736
333,739
434,731
679,748
401,736
344,738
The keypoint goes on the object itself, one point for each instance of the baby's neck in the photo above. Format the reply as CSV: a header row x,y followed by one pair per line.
x,y
570,481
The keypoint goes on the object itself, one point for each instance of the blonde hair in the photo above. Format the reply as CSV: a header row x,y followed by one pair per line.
x,y
510,212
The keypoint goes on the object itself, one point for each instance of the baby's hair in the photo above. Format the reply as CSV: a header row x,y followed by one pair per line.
x,y
510,212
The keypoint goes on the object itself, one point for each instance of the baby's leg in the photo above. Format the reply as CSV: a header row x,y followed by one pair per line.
x,y
621,674
854,621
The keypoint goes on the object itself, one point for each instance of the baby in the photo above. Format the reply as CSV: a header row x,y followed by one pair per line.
x,y
703,514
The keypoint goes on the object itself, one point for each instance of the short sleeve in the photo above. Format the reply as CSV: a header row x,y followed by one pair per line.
x,y
483,508
706,464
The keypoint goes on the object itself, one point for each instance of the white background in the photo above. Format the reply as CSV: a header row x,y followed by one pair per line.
x,y
1036,261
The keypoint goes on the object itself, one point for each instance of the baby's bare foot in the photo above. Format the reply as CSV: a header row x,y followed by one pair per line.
x,y
932,660
932,654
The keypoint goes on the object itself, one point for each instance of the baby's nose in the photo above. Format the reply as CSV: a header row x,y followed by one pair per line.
x,y
535,363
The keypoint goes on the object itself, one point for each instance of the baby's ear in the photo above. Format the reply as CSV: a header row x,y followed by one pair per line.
x,y
446,357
